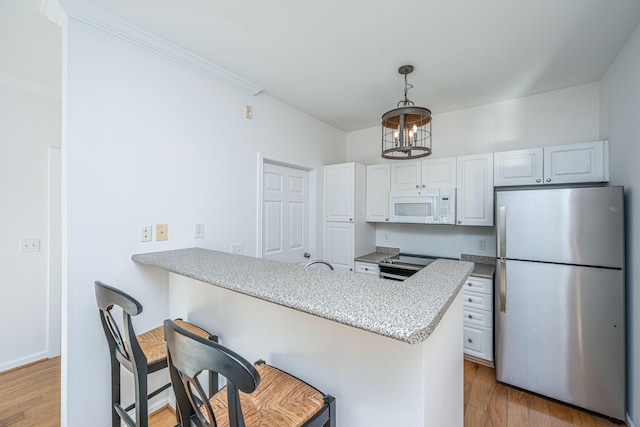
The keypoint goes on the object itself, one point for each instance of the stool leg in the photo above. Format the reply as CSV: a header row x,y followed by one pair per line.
x,y
213,376
332,410
115,391
142,404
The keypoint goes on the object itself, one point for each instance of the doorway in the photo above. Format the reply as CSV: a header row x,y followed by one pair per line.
x,y
286,212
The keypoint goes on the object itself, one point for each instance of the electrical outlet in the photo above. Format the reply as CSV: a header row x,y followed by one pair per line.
x,y
482,245
248,112
30,245
162,232
145,233
237,248
198,230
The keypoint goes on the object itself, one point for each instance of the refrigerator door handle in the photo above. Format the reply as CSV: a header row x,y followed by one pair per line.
x,y
503,285
502,232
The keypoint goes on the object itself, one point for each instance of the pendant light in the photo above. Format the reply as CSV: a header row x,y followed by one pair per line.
x,y
406,130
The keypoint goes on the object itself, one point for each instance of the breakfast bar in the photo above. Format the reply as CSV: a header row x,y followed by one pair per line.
x,y
390,352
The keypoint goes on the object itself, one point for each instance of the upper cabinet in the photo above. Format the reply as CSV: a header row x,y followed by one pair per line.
x,y
340,194
518,167
474,199
432,173
378,184
439,173
584,162
560,164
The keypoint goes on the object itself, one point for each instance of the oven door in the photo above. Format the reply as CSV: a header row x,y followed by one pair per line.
x,y
413,206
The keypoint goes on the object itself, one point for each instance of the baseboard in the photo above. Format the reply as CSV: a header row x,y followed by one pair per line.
x,y
629,422
158,403
12,364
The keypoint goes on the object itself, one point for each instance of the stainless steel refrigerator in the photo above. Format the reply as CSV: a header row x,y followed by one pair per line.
x,y
560,297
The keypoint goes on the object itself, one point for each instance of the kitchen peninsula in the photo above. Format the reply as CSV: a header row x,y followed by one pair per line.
x,y
390,352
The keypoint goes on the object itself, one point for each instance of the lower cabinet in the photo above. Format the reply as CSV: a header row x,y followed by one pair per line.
x,y
477,296
367,268
340,240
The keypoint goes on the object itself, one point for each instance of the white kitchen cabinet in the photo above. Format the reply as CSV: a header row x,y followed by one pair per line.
x,y
378,186
340,243
347,234
474,198
439,173
477,322
340,186
406,175
432,173
367,268
518,167
574,163
560,164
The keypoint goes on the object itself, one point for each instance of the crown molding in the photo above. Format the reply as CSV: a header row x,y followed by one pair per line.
x,y
53,11
83,12
29,85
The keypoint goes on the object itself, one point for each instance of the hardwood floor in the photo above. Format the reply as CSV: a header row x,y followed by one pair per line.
x,y
30,396
488,403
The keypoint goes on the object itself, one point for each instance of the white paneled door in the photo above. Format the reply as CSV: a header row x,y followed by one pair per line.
x,y
285,213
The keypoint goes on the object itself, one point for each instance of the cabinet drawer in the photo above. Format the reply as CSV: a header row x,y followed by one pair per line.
x,y
478,284
478,342
476,300
367,268
477,317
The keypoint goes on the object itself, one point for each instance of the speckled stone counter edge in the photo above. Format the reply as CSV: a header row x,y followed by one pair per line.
x,y
408,311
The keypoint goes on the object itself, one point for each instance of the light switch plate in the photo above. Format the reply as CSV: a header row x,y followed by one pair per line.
x,y
162,232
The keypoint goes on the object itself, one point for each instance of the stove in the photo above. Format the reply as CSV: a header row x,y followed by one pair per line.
x,y
403,266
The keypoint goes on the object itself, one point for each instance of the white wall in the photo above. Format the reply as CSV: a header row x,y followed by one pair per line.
x,y
148,142
620,100
29,124
552,118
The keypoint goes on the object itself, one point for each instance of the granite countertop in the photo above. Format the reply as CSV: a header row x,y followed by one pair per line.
x,y
377,256
408,311
483,266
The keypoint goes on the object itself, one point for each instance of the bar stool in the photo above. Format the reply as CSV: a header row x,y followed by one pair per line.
x,y
140,354
270,397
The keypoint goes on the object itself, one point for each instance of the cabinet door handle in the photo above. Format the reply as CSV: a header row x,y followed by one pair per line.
x,y
470,300
350,219
469,284
538,180
424,186
469,339
470,317
548,179
459,221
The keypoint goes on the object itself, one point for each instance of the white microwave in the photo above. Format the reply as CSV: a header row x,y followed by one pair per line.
x,y
428,206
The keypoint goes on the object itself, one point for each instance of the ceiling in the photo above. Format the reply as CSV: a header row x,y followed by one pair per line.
x,y
338,60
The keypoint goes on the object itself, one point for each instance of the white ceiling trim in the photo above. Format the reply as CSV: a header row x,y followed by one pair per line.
x,y
52,10
118,27
29,85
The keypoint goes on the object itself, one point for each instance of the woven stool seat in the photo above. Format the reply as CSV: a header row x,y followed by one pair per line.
x,y
153,345
280,400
